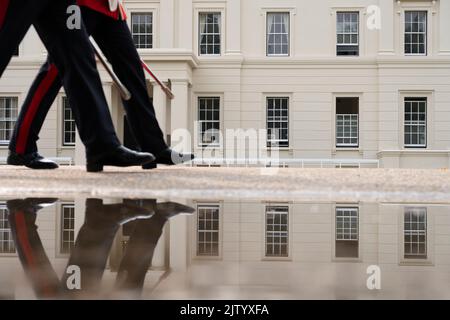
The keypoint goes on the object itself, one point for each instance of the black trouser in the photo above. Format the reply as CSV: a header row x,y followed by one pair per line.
x,y
32,254
115,40
73,57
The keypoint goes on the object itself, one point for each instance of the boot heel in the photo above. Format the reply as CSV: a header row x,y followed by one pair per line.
x,y
94,167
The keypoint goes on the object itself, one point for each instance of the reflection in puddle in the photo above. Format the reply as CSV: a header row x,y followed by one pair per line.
x,y
233,249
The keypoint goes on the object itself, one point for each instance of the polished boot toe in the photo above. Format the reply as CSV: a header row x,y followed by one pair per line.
x,y
119,157
171,209
32,161
169,157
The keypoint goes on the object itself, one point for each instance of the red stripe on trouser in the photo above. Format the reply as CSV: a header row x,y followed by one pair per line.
x,y
24,242
3,9
41,91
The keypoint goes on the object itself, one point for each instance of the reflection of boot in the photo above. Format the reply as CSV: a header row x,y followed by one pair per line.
x,y
118,214
30,204
171,209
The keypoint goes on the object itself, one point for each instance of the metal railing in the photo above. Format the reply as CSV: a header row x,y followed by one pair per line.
x,y
301,163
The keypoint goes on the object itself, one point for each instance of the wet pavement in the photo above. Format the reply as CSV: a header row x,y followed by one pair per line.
x,y
250,183
112,248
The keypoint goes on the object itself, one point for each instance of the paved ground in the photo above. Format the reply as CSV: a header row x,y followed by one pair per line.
x,y
225,183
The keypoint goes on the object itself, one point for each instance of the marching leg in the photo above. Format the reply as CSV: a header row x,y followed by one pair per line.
x,y
43,92
114,39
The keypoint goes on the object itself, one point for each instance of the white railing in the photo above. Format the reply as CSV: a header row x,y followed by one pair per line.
x,y
68,161
302,163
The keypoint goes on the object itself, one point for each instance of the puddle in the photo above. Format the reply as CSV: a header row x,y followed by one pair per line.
x,y
223,249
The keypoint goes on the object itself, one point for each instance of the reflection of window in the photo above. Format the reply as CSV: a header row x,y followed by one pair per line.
x,y
209,34
277,231
415,233
69,127
278,34
209,121
347,33
142,30
415,122
347,236
208,230
347,122
6,239
8,117
278,122
67,228
416,32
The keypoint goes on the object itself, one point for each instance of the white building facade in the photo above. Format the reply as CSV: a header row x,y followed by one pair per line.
x,y
331,79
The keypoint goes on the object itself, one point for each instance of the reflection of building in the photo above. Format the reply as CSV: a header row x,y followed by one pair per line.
x,y
321,80
252,249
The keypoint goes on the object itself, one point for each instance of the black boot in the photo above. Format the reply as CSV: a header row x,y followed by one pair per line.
x,y
31,160
168,210
120,157
169,157
30,204
116,214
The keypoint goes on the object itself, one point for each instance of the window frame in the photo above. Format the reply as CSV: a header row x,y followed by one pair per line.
x,y
200,144
415,257
358,34
221,32
340,146
5,143
358,208
288,54
152,34
4,210
208,205
64,144
405,11
61,227
288,232
415,146
266,103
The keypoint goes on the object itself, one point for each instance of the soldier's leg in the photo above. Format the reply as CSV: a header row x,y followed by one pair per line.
x,y
114,39
16,17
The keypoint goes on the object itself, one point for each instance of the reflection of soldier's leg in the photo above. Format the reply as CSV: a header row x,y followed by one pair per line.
x,y
31,252
91,250
139,253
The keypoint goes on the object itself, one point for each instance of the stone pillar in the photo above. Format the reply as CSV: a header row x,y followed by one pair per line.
x,y
167,23
233,24
80,151
386,34
161,105
180,116
444,20
179,248
185,21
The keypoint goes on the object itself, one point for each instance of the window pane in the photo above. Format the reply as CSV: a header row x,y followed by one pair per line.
x,y
209,33
278,33
142,30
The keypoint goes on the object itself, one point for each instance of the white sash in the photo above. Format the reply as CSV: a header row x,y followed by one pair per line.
x,y
113,5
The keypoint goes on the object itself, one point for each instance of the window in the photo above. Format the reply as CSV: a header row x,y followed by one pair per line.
x,y
69,127
415,233
347,236
277,231
278,34
347,122
415,122
8,117
210,33
278,122
416,32
208,230
6,240
209,121
347,34
142,30
67,228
